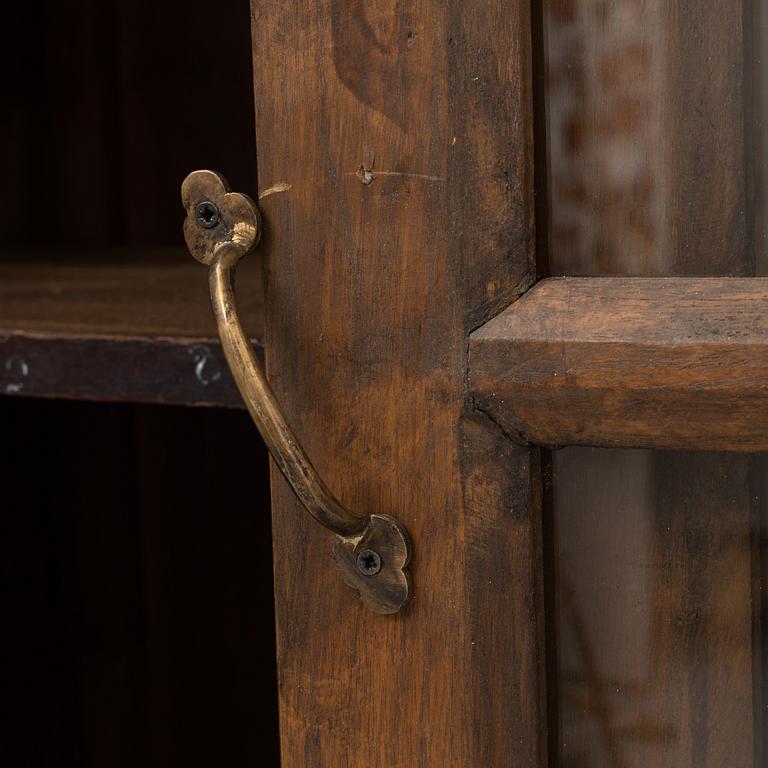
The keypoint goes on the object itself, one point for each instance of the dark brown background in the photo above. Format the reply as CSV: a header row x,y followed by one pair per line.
x,y
136,591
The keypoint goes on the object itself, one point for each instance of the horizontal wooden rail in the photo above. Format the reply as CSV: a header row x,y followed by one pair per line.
x,y
629,362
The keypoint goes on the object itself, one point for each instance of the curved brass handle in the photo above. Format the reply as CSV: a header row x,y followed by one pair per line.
x,y
371,552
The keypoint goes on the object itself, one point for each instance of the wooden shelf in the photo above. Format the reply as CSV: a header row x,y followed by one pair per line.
x,y
120,328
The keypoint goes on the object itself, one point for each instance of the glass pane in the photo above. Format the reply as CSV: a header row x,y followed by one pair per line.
x,y
657,598
655,165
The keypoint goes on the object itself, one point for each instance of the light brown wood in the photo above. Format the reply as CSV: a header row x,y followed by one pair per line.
x,y
664,363
400,135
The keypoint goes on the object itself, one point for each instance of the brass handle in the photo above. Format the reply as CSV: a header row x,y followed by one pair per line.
x,y
371,552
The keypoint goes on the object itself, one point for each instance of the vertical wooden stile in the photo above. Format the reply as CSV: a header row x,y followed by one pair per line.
x,y
400,135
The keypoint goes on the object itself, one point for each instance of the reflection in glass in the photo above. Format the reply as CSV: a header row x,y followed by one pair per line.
x,y
655,166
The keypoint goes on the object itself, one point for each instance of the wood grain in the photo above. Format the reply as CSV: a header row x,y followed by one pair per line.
x,y
404,132
664,363
125,292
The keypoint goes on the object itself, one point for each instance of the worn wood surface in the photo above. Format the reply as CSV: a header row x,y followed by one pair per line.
x,y
643,362
651,153
401,136
128,329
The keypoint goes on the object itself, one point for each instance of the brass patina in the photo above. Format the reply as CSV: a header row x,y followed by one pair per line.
x,y
221,227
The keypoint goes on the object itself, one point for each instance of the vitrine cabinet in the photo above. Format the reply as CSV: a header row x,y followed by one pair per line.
x,y
508,293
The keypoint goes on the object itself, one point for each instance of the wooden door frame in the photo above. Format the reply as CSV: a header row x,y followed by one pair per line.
x,y
401,136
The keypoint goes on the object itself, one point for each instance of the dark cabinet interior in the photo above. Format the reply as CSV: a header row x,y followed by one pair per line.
x,y
107,106
137,586
136,538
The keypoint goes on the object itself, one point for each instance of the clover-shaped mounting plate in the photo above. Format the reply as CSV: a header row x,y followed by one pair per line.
x,y
234,217
388,589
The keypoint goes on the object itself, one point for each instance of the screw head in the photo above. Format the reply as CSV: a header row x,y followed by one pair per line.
x,y
368,562
207,214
